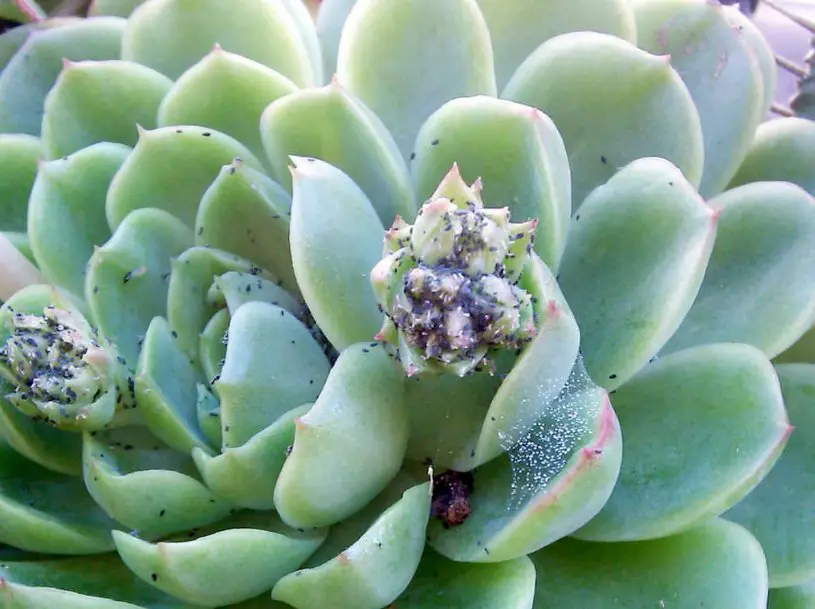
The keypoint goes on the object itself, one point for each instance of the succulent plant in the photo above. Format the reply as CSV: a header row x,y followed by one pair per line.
x,y
423,304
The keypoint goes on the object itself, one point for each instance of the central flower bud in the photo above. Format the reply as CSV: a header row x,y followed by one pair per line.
x,y
449,284
61,373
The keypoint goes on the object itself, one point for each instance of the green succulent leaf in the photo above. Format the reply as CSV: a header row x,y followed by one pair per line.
x,y
43,444
330,20
641,242
784,151
13,39
440,583
759,287
240,82
760,47
300,13
612,103
351,442
249,553
126,280
336,239
100,101
19,157
442,49
246,475
47,512
233,290
777,511
144,485
208,410
539,375
34,69
719,68
246,213
189,306
518,28
682,445
68,199
167,390
88,582
717,564
171,168
171,36
446,414
375,569
330,124
794,597
273,364
115,8
550,483
515,150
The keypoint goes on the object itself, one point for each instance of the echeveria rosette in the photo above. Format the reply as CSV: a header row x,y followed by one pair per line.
x,y
230,249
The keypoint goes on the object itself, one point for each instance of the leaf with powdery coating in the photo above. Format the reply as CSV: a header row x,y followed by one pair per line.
x,y
351,443
759,287
517,153
442,50
19,156
636,256
612,103
718,564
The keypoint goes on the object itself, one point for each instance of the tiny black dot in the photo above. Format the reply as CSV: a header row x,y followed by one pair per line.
x,y
175,334
162,512
206,134
603,159
179,131
154,576
612,376
412,155
434,143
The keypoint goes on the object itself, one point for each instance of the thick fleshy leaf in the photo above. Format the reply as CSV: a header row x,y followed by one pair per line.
x,y
778,511
245,555
763,52
43,511
273,364
671,417
612,103
446,415
208,410
718,564
116,8
246,213
189,308
167,390
435,64
66,212
19,155
636,255
331,18
375,569
518,28
795,597
350,444
126,281
515,150
145,486
171,168
783,150
336,239
759,287
241,83
36,440
440,583
31,73
171,36
246,476
330,124
721,72
550,483
100,101
12,40
93,582
300,12
539,375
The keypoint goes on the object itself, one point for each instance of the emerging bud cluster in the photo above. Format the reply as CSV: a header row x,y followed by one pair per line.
x,y
61,373
449,284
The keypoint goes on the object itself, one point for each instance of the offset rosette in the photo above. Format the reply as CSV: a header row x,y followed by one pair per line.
x,y
449,284
64,372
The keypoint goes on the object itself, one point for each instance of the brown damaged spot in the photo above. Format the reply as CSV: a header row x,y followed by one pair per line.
x,y
451,497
